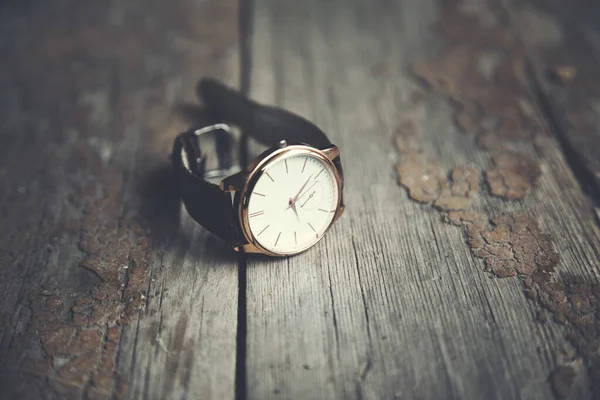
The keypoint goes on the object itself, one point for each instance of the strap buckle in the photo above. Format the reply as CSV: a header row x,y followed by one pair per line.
x,y
225,148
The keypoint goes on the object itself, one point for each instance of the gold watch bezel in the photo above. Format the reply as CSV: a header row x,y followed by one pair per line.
x,y
252,174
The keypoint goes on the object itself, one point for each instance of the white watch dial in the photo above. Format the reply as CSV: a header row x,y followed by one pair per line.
x,y
293,203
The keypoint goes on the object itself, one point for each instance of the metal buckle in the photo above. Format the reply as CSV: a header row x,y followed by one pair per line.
x,y
228,160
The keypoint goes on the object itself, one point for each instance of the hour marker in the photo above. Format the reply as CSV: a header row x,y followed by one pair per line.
x,y
327,211
256,214
286,167
311,227
295,238
320,173
270,177
277,239
304,165
259,194
263,230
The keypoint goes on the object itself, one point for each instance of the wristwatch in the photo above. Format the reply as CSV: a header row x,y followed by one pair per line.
x,y
285,201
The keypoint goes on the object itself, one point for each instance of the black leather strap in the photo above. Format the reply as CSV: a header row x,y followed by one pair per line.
x,y
205,201
266,124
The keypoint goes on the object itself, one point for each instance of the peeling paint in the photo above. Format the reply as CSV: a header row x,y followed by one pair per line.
x,y
426,181
491,100
513,244
76,256
481,70
510,244
513,175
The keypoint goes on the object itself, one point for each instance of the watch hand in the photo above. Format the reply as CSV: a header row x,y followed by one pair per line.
x,y
307,190
293,206
309,197
293,200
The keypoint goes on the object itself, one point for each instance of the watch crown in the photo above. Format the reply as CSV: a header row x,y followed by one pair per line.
x,y
281,144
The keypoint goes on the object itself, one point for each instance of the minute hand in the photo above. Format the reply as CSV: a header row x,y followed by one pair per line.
x,y
307,190
293,200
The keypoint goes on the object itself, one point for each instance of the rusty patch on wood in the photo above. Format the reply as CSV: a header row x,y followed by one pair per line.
x,y
458,191
482,71
78,321
513,175
426,181
75,187
513,244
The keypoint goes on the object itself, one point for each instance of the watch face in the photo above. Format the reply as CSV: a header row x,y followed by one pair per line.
x,y
293,203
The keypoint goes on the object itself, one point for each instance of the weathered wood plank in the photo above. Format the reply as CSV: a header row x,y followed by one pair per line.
x,y
562,46
393,303
103,294
566,71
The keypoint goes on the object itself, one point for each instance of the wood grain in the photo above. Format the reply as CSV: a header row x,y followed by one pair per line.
x,y
103,294
393,303
566,75
466,264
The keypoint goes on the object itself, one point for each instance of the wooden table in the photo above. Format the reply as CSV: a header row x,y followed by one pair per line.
x,y
466,265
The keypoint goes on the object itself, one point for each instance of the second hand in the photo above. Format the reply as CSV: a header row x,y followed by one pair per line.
x,y
307,190
309,197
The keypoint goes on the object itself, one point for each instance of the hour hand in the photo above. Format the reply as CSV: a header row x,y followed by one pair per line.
x,y
292,205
